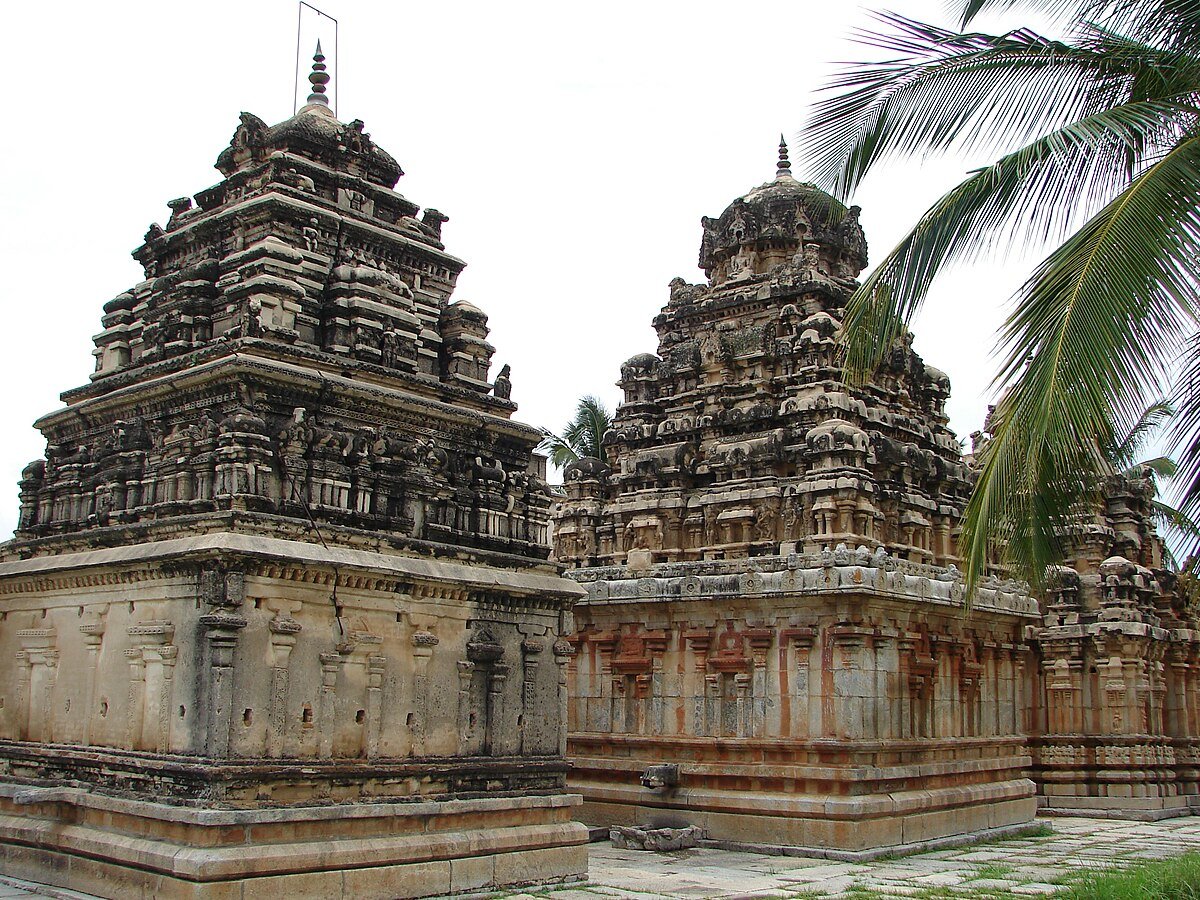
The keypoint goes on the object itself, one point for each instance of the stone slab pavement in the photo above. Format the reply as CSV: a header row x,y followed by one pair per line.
x,y
1022,867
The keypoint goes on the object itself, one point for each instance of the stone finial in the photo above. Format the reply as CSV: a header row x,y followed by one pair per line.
x,y
785,165
318,78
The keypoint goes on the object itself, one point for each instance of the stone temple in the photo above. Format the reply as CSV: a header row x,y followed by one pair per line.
x,y
278,616
775,648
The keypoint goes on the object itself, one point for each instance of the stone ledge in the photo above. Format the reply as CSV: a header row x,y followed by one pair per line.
x,y
186,815
315,854
941,843
293,552
870,806
479,876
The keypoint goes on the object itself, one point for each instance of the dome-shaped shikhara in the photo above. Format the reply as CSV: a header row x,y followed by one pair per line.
x,y
779,219
313,133
744,416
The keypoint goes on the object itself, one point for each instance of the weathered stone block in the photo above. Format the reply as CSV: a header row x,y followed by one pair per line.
x,y
645,837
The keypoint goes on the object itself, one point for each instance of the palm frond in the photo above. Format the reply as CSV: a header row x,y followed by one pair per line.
x,y
1054,9
1184,435
970,92
1169,23
1091,335
1126,448
582,437
1031,193
559,451
1177,529
1162,466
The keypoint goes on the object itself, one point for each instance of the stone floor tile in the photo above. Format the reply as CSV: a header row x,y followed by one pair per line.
x,y
998,884
941,879
1035,888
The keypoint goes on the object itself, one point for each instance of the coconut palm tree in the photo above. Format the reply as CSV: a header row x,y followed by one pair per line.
x,y
582,436
1098,136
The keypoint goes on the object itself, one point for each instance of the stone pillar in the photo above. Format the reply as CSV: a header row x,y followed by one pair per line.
x,y
798,696
850,679
531,648
493,740
760,640
605,645
93,637
883,713
136,699
376,664
742,682
700,642
223,631
1177,719
152,725
38,659
712,704
655,646
331,665
466,676
423,643
564,652
617,705
283,630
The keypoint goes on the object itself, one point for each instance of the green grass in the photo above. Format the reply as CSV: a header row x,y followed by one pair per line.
x,y
992,870
1168,879
1043,830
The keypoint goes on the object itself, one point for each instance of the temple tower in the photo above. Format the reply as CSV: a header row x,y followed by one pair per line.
x,y
277,616
773,605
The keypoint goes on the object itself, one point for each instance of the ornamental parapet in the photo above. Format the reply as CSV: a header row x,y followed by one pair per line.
x,y
832,571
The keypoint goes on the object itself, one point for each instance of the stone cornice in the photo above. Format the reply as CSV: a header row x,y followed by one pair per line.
x,y
293,560
305,207
834,572
267,367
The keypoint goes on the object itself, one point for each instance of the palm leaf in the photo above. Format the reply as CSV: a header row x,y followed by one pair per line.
x,y
583,436
1092,333
1177,528
557,449
972,93
1125,449
1170,23
1162,466
1019,196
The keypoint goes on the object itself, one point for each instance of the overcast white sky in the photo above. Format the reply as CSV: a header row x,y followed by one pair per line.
x,y
574,147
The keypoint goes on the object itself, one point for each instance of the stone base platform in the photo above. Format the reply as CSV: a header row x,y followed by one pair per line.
x,y
121,848
1141,777
840,810
1138,809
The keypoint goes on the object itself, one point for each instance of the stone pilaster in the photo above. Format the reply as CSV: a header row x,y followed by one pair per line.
x,y
222,633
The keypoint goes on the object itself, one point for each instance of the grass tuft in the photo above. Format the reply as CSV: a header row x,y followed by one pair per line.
x,y
1169,879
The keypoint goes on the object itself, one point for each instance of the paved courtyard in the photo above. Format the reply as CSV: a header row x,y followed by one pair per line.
x,y
1014,867
1017,867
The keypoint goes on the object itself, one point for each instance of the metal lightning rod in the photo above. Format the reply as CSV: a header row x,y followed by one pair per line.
x,y
337,57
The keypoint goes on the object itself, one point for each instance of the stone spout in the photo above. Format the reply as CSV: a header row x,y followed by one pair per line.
x,y
661,777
